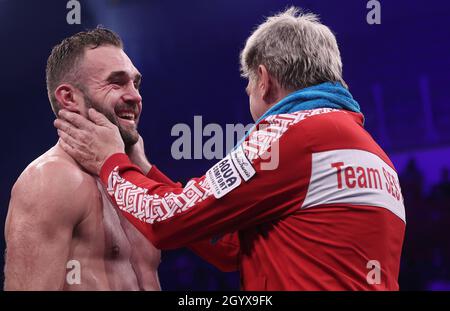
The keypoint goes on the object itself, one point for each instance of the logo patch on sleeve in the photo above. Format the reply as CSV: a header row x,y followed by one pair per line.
x,y
243,165
223,177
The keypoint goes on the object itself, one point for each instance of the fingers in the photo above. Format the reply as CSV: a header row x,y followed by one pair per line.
x,y
71,146
98,118
76,119
74,138
69,140
74,145
75,153
67,148
67,128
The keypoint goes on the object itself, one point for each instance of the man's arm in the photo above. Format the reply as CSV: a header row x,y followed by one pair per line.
x,y
241,191
222,253
42,215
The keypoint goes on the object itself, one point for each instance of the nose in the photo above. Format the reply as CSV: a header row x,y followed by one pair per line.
x,y
132,95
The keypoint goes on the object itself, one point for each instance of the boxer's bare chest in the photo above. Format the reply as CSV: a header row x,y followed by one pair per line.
x,y
115,255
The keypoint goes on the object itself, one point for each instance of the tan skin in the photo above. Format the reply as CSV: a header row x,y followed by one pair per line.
x,y
59,212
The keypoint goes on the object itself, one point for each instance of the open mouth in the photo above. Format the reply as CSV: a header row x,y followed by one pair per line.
x,y
127,115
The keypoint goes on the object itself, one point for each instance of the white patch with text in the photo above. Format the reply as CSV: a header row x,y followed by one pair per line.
x,y
223,177
243,165
354,177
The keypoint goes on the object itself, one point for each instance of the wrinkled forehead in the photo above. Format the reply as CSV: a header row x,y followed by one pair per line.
x,y
98,63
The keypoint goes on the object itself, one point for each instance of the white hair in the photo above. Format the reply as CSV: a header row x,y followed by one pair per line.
x,y
297,50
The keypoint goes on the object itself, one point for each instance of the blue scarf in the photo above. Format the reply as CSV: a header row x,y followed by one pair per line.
x,y
325,95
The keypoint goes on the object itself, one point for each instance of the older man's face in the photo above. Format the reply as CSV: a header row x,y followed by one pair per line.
x,y
111,86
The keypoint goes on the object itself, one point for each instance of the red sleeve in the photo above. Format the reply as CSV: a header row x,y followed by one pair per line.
x,y
222,253
155,174
264,179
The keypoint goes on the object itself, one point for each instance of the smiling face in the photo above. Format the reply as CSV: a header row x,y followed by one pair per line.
x,y
257,106
111,85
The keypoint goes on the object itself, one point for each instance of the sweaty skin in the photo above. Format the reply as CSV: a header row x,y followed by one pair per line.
x,y
60,215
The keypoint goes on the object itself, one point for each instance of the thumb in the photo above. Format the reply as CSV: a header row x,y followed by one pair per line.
x,y
98,118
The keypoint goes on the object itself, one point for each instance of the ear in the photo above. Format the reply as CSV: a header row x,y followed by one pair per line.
x,y
266,84
68,97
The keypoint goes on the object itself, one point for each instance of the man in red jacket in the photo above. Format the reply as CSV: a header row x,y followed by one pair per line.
x,y
315,201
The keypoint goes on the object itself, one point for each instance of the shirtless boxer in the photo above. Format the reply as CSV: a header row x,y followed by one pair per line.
x,y
60,221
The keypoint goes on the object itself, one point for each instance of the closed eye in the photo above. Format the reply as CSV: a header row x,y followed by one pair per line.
x,y
121,78
117,82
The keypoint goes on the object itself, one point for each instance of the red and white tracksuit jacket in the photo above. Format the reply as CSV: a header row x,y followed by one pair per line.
x,y
315,202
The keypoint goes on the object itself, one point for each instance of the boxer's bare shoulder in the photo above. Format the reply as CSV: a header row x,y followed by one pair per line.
x,y
62,233
53,177
43,212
